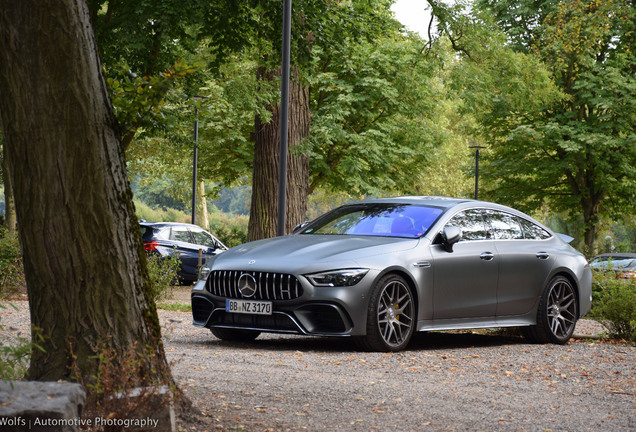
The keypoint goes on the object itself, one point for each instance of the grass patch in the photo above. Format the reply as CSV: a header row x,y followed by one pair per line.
x,y
175,307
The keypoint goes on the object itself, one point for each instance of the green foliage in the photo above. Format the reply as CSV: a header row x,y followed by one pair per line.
x,y
163,274
141,102
375,116
176,307
233,200
230,229
145,212
11,268
615,304
553,100
159,194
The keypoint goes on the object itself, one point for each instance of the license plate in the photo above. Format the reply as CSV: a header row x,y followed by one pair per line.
x,y
254,307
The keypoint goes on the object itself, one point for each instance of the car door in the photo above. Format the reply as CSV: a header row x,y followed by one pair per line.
x,y
187,250
206,242
465,280
524,262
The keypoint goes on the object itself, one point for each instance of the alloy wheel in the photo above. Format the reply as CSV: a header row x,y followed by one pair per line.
x,y
395,313
561,310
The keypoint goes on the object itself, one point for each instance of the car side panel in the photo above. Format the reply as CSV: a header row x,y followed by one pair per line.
x,y
465,280
524,267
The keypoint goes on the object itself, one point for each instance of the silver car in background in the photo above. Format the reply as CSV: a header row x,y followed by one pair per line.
x,y
380,270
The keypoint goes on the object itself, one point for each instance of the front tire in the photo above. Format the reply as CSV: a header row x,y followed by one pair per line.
x,y
391,318
557,313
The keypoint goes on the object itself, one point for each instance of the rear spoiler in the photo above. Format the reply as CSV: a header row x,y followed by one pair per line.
x,y
565,238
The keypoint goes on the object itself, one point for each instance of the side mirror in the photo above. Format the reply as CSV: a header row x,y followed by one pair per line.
x,y
450,236
299,227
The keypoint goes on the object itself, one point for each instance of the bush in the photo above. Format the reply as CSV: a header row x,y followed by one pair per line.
x,y
230,229
163,275
11,269
614,304
145,212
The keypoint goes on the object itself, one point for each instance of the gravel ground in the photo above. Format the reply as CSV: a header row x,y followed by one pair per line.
x,y
443,382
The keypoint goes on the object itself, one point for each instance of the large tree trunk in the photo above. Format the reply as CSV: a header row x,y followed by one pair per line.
x,y
83,256
264,208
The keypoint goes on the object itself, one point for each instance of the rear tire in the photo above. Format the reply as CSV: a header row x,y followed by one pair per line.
x,y
391,318
557,313
235,335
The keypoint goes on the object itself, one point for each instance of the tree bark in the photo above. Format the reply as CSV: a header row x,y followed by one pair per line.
x,y
264,208
83,257
201,215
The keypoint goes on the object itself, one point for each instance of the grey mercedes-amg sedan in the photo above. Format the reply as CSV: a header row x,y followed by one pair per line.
x,y
379,270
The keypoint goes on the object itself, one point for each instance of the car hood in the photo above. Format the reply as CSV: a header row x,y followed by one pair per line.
x,y
303,253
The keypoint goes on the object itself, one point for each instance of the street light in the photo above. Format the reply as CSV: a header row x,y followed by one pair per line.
x,y
284,114
195,157
476,147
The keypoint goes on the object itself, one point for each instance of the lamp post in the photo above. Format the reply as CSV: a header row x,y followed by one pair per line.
x,y
195,157
476,147
284,115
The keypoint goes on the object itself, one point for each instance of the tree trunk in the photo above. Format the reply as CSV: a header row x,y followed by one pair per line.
x,y
10,218
590,208
83,257
201,216
264,207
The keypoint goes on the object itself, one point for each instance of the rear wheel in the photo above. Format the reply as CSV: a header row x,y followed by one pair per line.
x,y
391,318
557,313
235,335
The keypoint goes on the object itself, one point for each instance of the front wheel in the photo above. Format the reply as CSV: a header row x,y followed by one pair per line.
x,y
557,313
391,318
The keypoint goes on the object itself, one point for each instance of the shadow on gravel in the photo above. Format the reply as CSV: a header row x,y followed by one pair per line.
x,y
419,342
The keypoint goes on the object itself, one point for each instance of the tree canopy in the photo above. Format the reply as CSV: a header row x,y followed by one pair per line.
x,y
553,97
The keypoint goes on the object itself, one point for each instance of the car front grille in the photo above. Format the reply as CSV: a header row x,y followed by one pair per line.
x,y
267,286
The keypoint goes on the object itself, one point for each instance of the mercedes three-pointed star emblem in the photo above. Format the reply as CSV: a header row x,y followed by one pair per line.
x,y
247,285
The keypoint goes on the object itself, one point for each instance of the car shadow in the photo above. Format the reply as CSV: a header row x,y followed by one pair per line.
x,y
427,341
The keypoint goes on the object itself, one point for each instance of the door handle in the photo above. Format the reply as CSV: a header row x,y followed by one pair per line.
x,y
543,255
487,256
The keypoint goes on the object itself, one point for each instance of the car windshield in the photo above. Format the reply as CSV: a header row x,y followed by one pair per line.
x,y
387,220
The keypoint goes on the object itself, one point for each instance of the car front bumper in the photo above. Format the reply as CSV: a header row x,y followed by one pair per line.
x,y
318,311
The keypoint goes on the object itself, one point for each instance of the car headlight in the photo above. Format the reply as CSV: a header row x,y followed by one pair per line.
x,y
204,273
345,277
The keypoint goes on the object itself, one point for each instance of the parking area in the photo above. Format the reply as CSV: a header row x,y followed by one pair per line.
x,y
456,381
446,381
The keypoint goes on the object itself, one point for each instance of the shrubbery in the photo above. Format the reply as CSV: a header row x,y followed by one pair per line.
x,y
11,270
163,275
230,229
614,304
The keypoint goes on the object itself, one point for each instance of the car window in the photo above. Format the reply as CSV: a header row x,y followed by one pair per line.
x,y
180,234
146,233
613,262
203,238
391,220
533,231
472,225
504,225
